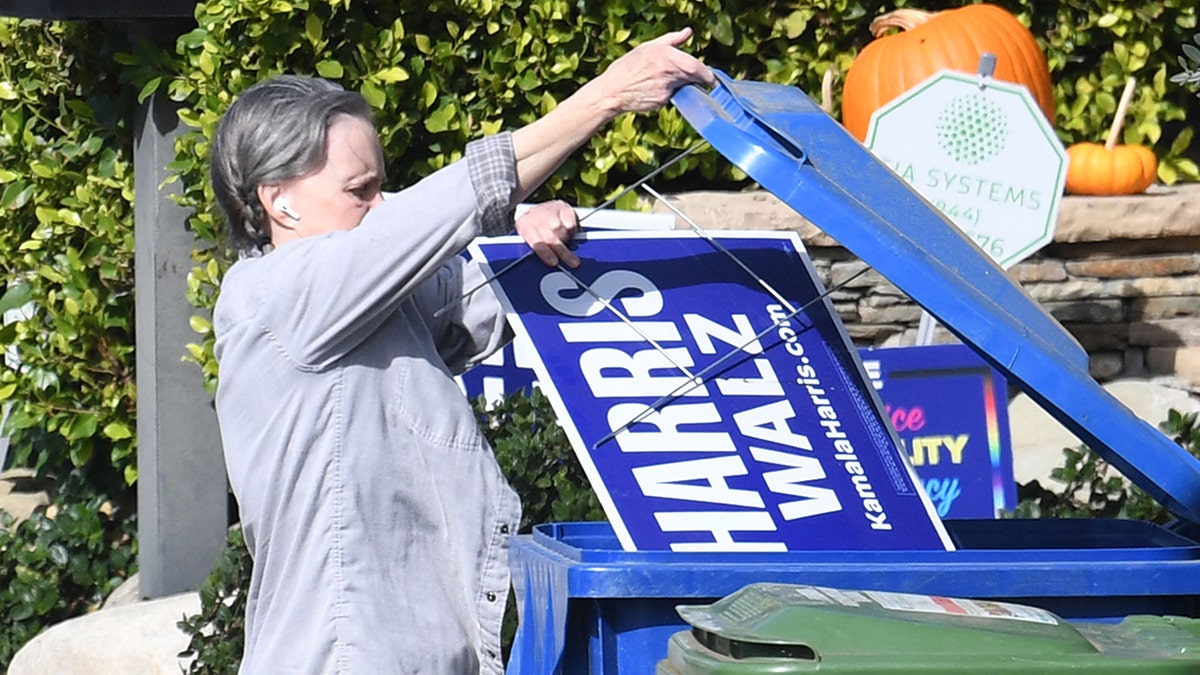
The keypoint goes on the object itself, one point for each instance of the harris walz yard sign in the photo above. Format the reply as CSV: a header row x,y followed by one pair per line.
x,y
712,395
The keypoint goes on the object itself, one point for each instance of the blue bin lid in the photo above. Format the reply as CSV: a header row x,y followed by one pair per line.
x,y
783,140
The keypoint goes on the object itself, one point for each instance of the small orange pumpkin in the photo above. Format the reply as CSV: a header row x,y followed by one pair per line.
x,y
1111,169
933,41
1095,169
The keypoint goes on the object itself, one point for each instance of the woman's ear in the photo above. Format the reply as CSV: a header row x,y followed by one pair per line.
x,y
277,207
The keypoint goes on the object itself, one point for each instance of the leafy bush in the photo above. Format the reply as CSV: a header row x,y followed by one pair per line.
x,y
1189,64
61,562
66,251
218,632
66,260
1093,46
1093,489
538,460
439,75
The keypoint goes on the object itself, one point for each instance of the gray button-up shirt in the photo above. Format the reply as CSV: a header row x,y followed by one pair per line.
x,y
374,509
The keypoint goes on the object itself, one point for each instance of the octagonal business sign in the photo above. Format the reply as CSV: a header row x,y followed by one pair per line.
x,y
982,152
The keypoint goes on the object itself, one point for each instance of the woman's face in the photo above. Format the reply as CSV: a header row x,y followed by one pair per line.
x,y
338,195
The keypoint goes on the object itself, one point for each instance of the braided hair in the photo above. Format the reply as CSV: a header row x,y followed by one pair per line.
x,y
274,132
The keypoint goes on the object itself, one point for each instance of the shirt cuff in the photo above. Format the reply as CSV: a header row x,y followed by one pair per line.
x,y
491,165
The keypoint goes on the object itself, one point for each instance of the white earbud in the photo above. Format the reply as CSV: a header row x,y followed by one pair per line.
x,y
286,209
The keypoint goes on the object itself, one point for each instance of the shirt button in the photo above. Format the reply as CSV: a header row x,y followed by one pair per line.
x,y
504,529
491,596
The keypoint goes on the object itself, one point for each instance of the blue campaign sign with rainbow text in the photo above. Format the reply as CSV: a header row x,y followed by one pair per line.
x,y
714,409
950,409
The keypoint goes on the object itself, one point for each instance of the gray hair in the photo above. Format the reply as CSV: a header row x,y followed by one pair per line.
x,y
275,131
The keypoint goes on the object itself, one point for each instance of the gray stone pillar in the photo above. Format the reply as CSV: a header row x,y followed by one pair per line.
x,y
182,494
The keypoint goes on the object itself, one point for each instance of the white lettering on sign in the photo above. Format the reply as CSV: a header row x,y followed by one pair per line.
x,y
704,330
766,384
611,284
722,525
670,481
612,373
667,436
844,452
769,423
814,500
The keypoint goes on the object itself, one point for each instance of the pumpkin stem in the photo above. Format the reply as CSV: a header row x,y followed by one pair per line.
x,y
904,19
1119,118
827,91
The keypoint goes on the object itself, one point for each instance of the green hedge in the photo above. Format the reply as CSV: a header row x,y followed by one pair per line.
x,y
61,562
66,250
66,260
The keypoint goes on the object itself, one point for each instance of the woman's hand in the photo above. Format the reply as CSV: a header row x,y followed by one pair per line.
x,y
547,228
641,80
646,77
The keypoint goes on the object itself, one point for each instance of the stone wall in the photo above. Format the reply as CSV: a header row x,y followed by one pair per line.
x,y
1122,275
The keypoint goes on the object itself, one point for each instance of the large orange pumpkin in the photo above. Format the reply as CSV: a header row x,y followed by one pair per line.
x,y
1095,169
933,41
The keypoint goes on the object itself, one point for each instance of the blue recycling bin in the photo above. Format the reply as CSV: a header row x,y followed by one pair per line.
x,y
588,606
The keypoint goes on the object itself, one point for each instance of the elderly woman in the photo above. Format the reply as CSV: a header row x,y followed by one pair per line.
x,y
374,510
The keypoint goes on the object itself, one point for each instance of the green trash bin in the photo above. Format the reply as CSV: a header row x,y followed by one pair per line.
x,y
784,628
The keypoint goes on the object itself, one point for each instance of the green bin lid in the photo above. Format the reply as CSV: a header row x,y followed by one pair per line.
x,y
762,626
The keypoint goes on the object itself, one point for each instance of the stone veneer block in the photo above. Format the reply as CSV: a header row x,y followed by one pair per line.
x,y
1165,333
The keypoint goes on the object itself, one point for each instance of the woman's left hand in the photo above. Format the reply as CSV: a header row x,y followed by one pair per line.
x,y
547,228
